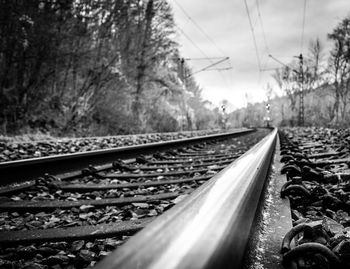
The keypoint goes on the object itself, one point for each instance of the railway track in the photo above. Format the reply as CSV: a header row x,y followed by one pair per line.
x,y
24,148
239,225
279,205
58,216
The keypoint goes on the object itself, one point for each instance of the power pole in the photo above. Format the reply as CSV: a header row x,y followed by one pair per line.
x,y
184,79
185,74
301,92
268,113
224,117
182,68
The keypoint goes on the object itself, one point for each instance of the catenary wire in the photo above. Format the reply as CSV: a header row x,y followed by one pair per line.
x,y
205,55
303,28
262,27
254,39
199,27
193,43
208,37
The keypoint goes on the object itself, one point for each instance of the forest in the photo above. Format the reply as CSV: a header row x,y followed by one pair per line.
x,y
103,67
95,67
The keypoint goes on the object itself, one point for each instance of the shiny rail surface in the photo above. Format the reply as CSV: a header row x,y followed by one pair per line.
x,y
23,170
208,229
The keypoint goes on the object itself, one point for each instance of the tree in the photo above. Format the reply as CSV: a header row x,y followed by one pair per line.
x,y
315,65
29,32
93,66
339,67
288,81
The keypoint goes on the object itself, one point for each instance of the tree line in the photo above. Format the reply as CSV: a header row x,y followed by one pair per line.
x,y
325,81
95,67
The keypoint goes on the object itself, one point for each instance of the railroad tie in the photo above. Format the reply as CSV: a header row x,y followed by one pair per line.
x,y
30,206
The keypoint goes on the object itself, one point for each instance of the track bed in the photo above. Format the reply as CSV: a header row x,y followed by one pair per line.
x,y
317,167
75,219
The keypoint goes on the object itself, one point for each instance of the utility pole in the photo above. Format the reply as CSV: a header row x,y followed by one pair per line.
x,y
182,68
184,75
268,113
224,117
183,78
301,93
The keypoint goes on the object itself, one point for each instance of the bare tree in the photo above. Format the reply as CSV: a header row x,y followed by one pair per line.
x,y
287,80
339,67
314,69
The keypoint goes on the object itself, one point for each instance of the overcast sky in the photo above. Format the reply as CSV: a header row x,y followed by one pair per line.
x,y
227,33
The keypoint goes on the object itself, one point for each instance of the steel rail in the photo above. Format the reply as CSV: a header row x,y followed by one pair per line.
x,y
23,170
208,229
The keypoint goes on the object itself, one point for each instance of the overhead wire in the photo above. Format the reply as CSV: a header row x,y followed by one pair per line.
x,y
201,59
253,33
193,43
209,66
262,27
199,49
267,50
208,37
303,28
199,27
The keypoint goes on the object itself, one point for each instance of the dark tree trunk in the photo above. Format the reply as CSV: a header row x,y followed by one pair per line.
x,y
142,66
